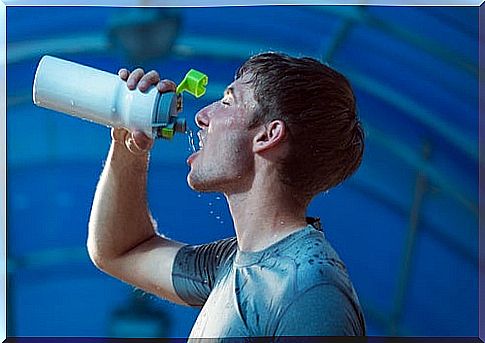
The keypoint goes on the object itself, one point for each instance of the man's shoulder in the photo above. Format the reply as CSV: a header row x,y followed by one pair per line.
x,y
316,262
220,250
303,272
205,257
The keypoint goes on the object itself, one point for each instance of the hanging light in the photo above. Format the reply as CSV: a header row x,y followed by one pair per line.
x,y
143,34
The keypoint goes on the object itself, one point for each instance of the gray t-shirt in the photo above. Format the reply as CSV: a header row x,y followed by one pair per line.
x,y
295,287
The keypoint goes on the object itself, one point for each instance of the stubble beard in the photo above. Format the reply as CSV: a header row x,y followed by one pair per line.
x,y
229,177
226,169
203,179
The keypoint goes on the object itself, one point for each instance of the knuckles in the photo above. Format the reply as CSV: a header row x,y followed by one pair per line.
x,y
138,78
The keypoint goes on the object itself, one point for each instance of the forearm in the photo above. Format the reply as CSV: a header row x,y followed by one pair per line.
x,y
120,219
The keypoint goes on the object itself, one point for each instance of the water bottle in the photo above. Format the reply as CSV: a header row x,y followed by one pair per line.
x,y
104,98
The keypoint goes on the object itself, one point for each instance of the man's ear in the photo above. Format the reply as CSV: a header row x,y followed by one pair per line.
x,y
269,136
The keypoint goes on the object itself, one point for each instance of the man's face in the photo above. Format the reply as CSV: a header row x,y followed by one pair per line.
x,y
225,162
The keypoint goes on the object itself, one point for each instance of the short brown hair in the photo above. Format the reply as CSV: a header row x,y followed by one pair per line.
x,y
318,106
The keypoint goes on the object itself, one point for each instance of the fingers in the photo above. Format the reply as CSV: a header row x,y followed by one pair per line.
x,y
166,86
150,78
132,146
142,142
119,135
136,142
134,77
123,74
143,81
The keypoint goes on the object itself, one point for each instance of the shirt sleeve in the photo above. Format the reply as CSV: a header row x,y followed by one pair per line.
x,y
323,310
196,269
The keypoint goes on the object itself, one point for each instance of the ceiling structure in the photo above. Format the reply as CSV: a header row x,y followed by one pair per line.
x,y
406,224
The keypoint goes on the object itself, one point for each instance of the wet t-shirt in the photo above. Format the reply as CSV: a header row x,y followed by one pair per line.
x,y
295,287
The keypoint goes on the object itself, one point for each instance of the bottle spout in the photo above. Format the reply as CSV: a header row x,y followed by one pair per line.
x,y
194,83
165,121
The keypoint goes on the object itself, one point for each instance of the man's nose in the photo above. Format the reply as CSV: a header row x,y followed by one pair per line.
x,y
202,117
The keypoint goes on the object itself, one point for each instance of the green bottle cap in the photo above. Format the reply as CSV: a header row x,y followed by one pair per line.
x,y
194,83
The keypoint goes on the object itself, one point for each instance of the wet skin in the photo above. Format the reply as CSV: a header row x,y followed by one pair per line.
x,y
226,161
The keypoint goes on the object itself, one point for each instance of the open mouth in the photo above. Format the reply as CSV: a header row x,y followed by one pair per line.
x,y
201,135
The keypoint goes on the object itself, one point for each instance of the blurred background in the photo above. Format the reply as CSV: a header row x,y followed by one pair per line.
x,y
406,224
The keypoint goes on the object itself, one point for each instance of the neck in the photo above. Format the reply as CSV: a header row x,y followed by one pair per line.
x,y
263,216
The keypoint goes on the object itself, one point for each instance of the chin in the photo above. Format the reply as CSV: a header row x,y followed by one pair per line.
x,y
218,177
204,183
196,183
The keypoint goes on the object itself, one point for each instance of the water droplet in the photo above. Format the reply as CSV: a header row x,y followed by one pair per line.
x,y
218,198
210,204
222,222
113,109
282,222
72,103
190,137
199,195
218,217
211,212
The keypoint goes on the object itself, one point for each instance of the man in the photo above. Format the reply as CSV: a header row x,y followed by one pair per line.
x,y
284,131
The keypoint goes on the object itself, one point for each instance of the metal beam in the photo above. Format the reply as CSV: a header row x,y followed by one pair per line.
x,y
415,111
415,39
407,260
33,49
371,192
340,36
408,156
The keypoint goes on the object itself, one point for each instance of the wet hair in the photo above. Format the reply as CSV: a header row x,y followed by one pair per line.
x,y
318,107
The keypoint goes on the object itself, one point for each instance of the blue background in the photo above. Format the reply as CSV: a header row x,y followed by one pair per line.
x,y
406,224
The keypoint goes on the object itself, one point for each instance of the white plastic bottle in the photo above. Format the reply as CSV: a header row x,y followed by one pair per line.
x,y
104,98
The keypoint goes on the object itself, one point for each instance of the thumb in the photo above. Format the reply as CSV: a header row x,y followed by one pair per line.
x,y
141,140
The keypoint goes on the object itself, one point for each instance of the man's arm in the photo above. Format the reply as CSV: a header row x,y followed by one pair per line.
x,y
122,238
